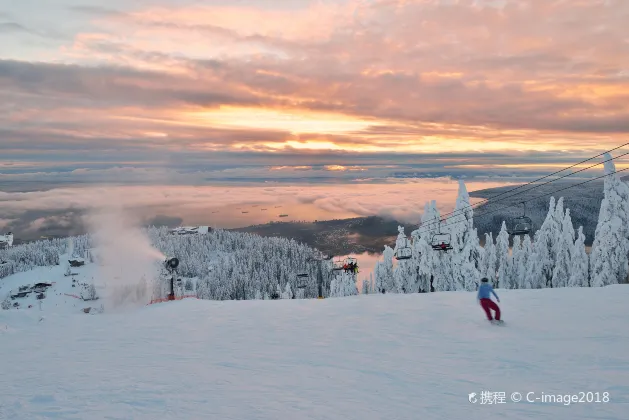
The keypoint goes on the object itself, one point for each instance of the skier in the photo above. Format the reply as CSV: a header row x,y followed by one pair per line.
x,y
484,297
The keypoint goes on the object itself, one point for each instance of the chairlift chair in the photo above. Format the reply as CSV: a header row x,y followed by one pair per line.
x,y
338,265
521,225
351,265
404,253
441,242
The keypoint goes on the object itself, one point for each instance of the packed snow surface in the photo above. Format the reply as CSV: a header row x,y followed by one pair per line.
x,y
416,356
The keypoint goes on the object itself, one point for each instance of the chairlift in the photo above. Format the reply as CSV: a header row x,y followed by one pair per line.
x,y
338,265
404,253
351,265
521,225
441,241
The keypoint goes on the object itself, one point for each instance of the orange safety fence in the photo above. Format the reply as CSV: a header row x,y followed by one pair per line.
x,y
160,300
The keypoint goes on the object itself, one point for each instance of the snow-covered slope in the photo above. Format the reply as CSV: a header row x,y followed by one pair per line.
x,y
414,356
61,297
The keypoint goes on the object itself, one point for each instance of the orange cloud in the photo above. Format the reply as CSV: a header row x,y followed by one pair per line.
x,y
364,77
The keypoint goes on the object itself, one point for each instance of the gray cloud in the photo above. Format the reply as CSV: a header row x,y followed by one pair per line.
x,y
96,10
108,86
12,27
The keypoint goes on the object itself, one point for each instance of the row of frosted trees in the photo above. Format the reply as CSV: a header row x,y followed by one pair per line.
x,y
555,257
227,265
42,253
242,266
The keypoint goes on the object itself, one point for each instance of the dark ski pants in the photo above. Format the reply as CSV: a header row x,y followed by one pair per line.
x,y
489,304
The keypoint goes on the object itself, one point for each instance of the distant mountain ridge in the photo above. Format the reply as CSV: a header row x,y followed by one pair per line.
x,y
584,202
370,234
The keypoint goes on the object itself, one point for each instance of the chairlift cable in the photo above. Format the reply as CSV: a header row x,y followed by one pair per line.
x,y
534,198
539,179
553,180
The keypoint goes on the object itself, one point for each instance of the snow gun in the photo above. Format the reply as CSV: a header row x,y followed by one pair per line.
x,y
171,264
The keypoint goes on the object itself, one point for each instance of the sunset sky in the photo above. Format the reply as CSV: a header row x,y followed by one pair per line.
x,y
192,92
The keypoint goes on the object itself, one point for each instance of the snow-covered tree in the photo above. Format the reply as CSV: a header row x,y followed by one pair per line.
x,y
405,277
489,262
427,258
502,258
344,284
434,268
608,260
534,278
579,268
423,256
522,263
189,286
6,303
564,250
517,254
89,292
368,286
384,272
546,238
466,253
288,293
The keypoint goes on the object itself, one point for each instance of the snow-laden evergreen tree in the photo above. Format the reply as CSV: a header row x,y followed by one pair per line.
x,y
88,292
608,260
502,258
287,293
368,286
423,255
544,245
489,262
405,272
189,285
564,252
6,303
343,284
579,267
523,262
465,257
515,260
534,278
434,267
384,272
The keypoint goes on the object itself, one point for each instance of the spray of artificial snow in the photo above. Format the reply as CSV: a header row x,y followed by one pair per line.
x,y
128,263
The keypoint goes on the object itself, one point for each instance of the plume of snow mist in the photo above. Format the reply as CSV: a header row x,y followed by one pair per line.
x,y
129,264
